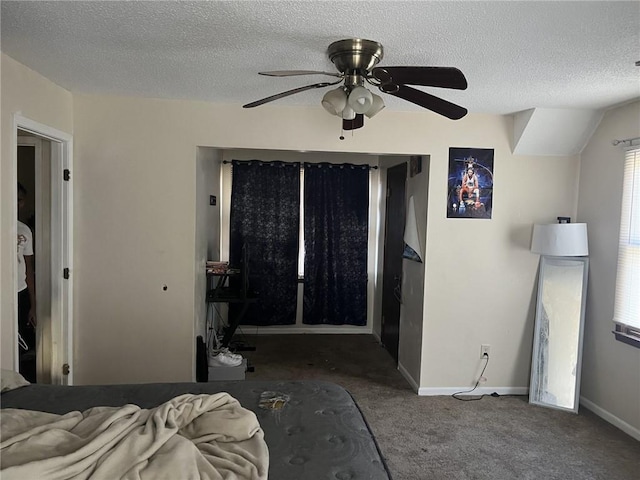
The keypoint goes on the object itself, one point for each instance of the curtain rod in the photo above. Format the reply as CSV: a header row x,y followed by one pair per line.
x,y
627,141
371,167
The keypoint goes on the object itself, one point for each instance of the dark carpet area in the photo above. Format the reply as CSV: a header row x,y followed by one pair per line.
x,y
425,438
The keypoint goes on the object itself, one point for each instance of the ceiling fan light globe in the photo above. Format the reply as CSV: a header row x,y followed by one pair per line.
x,y
360,100
334,101
376,106
348,113
329,108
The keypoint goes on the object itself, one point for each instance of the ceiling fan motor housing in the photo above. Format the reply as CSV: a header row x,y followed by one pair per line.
x,y
355,56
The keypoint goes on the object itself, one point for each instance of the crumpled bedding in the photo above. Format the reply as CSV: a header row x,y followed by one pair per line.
x,y
189,437
10,380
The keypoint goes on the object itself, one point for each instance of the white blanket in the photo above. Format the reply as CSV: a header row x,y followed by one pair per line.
x,y
189,437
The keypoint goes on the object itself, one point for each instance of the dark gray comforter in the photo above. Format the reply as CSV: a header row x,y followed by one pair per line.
x,y
314,430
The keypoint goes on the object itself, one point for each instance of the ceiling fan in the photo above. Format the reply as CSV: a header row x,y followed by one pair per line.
x,y
356,60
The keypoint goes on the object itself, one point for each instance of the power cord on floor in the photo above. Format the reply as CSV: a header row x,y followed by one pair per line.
x,y
476,397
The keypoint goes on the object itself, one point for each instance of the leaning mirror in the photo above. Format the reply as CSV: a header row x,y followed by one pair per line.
x,y
557,342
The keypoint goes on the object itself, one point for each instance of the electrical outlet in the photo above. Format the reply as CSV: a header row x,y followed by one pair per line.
x,y
485,350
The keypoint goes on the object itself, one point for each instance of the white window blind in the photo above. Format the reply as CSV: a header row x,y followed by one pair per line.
x,y
627,297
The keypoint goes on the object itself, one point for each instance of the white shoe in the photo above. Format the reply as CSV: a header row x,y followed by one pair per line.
x,y
225,359
227,352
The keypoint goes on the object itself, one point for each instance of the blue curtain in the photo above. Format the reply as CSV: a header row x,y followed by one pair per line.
x,y
336,206
265,216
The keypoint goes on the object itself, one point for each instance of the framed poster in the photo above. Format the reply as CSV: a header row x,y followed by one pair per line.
x,y
470,192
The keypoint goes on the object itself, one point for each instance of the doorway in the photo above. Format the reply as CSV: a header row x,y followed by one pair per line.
x,y
30,228
392,263
42,164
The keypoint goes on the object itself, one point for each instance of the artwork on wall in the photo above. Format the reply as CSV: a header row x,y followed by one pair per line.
x,y
470,192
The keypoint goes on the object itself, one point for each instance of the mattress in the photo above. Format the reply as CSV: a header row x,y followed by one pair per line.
x,y
314,430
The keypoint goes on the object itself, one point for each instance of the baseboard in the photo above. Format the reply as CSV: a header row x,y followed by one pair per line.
x,y
408,377
298,329
433,391
611,418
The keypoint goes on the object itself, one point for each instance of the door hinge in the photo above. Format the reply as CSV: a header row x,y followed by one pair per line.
x,y
66,274
388,192
66,174
66,369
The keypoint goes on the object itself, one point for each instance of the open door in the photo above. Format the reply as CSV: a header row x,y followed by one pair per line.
x,y
392,266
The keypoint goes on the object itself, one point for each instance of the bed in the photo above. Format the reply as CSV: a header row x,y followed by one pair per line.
x,y
313,430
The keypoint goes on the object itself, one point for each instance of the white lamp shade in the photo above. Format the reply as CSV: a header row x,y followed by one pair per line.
x,y
334,101
376,105
560,240
348,113
360,100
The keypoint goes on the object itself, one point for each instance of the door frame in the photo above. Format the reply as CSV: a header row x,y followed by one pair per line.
x,y
61,243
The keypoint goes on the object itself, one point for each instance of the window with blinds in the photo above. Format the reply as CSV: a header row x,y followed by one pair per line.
x,y
627,300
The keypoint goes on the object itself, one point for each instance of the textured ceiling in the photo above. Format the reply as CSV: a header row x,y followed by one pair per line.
x,y
516,55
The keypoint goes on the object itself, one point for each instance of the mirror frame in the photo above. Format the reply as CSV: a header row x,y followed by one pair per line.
x,y
545,262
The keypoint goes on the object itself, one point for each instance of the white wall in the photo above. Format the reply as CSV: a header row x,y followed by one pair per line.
x,y
135,191
40,100
610,369
208,165
413,273
135,233
480,275
208,172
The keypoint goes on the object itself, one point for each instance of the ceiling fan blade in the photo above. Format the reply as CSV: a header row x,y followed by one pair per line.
x,y
278,96
435,104
291,73
444,77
